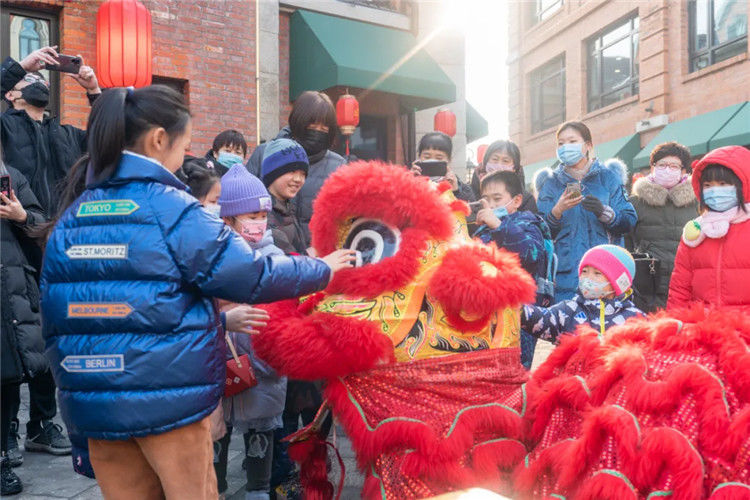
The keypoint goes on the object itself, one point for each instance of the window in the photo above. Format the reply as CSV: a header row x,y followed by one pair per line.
x,y
177,84
369,140
547,85
718,31
613,65
542,9
23,32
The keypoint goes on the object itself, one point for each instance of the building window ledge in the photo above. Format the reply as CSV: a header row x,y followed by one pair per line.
x,y
611,107
714,67
538,26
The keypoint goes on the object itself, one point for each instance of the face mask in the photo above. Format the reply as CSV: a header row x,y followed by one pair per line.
x,y
228,159
498,167
253,230
36,94
720,198
570,154
667,177
314,141
591,289
213,209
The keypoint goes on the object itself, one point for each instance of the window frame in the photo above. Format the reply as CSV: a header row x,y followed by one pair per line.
x,y
592,52
537,14
54,35
711,49
540,123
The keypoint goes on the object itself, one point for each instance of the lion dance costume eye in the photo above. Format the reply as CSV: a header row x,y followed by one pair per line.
x,y
418,346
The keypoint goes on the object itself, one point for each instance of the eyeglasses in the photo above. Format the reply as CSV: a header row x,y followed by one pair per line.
x,y
29,78
674,166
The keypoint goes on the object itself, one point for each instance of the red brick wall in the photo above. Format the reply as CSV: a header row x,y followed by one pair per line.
x,y
664,77
209,43
284,105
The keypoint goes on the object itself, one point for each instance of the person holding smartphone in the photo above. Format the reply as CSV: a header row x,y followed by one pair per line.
x,y
434,158
36,144
584,203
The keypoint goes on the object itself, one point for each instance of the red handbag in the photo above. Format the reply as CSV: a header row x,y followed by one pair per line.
x,y
240,373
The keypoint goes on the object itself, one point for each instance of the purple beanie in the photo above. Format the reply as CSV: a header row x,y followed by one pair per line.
x,y
242,193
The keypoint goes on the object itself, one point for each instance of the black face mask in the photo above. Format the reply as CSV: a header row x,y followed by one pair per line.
x,y
36,94
314,141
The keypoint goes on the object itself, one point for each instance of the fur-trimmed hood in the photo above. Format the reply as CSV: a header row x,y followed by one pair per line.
x,y
615,165
655,195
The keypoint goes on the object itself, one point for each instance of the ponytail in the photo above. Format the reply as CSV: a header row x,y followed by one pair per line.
x,y
198,176
120,116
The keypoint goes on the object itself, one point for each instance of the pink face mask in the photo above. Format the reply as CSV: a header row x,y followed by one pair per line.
x,y
498,167
253,230
667,177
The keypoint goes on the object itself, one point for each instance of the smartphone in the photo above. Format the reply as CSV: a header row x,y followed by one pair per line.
x,y
5,185
433,168
574,188
65,64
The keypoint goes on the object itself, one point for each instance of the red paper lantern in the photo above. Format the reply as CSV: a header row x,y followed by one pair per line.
x,y
445,122
480,153
123,44
347,114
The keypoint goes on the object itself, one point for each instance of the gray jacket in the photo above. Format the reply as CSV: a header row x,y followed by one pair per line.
x,y
662,214
320,169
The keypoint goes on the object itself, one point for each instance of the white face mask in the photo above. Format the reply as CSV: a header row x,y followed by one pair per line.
x,y
213,209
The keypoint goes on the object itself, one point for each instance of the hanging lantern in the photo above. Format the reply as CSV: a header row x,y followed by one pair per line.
x,y
445,122
347,114
480,153
123,44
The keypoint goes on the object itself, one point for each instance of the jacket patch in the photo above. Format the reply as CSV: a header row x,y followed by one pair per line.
x,y
97,252
94,363
106,207
99,310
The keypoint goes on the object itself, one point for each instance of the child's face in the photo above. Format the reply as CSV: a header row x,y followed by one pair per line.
x,y
251,226
434,154
288,185
230,148
597,278
708,184
212,197
497,195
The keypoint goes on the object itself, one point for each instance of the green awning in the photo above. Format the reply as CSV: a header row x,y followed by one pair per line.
x,y
530,171
625,148
327,51
695,133
736,132
476,125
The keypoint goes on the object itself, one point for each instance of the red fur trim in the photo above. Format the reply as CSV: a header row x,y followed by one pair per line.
x,y
604,486
391,273
461,207
387,193
465,289
731,492
568,391
319,345
311,455
665,449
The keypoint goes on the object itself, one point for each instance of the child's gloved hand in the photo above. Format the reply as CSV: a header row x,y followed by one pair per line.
x,y
246,319
340,259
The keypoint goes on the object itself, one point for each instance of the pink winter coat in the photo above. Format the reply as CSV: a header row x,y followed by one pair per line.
x,y
716,272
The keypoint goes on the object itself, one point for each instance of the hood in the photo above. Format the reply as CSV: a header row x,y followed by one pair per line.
x,y
735,158
655,195
618,166
284,133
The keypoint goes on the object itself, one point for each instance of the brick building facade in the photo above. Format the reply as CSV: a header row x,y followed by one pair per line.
x,y
666,83
207,49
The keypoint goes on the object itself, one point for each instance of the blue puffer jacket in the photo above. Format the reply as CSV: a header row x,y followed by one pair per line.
x,y
127,282
579,229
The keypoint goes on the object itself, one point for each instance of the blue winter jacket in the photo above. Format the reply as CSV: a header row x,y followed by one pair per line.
x,y
127,282
579,229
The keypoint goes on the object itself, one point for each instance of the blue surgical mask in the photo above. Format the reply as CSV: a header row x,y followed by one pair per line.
x,y
591,289
720,198
228,159
500,212
570,154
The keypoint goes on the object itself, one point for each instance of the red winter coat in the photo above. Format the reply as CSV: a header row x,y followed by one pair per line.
x,y
716,272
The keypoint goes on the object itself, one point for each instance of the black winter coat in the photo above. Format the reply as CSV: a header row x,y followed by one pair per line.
x,y
20,328
42,151
285,227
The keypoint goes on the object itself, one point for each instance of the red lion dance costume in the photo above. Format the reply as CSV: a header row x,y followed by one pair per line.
x,y
419,350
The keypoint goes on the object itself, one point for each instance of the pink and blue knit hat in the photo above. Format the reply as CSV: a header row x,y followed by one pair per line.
x,y
242,193
614,262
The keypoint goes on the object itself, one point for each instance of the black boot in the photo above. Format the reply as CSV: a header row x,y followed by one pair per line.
x,y
11,483
14,454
